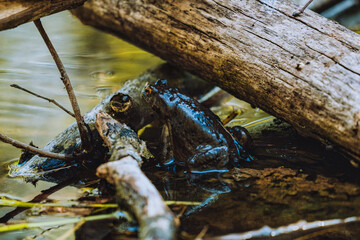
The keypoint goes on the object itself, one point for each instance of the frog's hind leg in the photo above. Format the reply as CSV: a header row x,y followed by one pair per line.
x,y
242,135
245,156
167,151
209,157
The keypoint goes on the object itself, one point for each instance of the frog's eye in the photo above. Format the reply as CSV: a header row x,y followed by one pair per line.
x,y
147,91
120,102
125,98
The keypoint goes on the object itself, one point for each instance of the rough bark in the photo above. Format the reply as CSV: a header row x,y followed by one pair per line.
x,y
155,219
16,12
305,70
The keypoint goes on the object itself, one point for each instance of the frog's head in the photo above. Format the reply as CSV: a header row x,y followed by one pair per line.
x,y
160,97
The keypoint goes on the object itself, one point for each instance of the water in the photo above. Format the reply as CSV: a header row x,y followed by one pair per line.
x,y
97,65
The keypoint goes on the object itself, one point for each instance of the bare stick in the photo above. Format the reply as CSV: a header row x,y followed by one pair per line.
x,y
65,79
38,151
291,231
156,221
45,98
301,10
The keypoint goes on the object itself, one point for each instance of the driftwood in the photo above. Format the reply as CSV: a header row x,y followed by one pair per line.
x,y
305,70
16,12
155,219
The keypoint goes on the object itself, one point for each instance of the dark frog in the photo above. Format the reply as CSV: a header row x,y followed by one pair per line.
x,y
199,139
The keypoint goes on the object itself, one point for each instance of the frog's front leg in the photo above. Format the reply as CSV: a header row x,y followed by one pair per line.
x,y
167,152
209,157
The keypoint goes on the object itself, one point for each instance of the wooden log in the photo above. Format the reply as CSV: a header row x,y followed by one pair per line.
x,y
305,70
16,12
156,221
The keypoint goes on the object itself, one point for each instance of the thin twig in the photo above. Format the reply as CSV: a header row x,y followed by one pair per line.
x,y
38,151
65,79
202,233
301,10
45,98
293,230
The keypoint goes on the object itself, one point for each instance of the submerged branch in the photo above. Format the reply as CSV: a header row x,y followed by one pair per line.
x,y
65,79
294,230
38,198
45,98
17,203
38,151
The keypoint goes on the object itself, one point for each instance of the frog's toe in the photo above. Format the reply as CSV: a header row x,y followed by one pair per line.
x,y
209,159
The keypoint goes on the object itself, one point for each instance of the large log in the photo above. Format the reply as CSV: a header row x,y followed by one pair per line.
x,y
305,70
16,12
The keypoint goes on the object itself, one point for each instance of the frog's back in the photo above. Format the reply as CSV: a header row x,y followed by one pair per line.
x,y
193,125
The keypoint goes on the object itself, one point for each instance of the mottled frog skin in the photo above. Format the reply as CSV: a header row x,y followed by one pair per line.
x,y
200,140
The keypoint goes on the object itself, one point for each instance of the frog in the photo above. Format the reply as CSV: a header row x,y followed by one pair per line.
x,y
198,139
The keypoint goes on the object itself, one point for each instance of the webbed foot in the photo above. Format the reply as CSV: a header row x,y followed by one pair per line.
x,y
209,157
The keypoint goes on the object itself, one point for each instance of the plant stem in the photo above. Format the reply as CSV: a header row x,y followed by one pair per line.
x,y
38,151
45,98
13,227
65,79
301,10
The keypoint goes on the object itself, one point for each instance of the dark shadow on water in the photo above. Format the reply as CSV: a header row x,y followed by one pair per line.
x,y
292,178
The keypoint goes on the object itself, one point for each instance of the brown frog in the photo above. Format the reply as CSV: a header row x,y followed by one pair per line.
x,y
199,139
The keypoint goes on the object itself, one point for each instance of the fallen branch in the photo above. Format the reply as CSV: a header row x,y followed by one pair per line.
x,y
65,79
17,12
45,98
305,70
155,219
38,151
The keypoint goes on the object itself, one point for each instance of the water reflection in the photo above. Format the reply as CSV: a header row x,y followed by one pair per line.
x,y
97,64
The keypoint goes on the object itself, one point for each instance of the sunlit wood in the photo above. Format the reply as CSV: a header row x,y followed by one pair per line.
x,y
16,12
